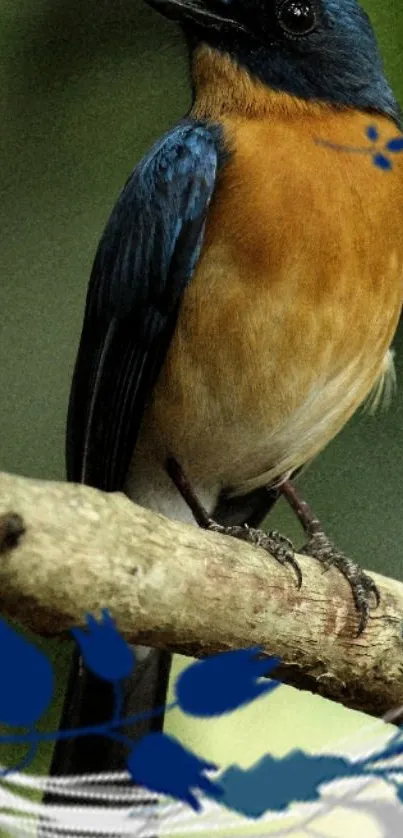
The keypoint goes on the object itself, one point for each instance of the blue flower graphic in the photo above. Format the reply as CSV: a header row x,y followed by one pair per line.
x,y
393,146
224,682
379,154
104,650
207,688
160,763
382,161
27,679
274,783
372,133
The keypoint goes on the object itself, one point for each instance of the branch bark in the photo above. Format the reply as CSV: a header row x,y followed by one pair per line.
x,y
177,587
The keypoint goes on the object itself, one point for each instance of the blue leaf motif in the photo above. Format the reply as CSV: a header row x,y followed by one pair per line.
x,y
103,648
372,133
160,763
395,145
382,162
273,784
27,679
224,682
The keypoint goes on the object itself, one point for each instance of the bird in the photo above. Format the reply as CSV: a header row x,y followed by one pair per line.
x,y
245,292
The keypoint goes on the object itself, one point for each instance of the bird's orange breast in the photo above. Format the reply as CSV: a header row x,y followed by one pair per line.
x,y
286,324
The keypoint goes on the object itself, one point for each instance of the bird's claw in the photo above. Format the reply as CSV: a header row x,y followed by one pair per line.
x,y
362,586
280,547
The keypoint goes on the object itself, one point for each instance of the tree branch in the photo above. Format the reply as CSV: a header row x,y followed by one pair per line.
x,y
180,588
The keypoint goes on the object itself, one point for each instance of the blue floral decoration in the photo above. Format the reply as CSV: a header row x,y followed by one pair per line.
x,y
104,650
148,764
224,682
27,682
372,133
208,688
380,154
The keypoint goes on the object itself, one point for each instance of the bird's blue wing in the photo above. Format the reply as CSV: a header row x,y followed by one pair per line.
x,y
144,261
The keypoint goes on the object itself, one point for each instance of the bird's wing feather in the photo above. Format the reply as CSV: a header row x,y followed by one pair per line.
x,y
144,261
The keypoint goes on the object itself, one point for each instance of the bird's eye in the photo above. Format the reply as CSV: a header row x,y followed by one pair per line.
x,y
296,17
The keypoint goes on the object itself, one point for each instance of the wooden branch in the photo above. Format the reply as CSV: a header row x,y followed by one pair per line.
x,y
177,587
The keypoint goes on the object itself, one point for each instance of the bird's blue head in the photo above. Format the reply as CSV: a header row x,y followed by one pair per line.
x,y
315,49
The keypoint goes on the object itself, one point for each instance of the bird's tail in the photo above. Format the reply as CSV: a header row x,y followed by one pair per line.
x,y
90,701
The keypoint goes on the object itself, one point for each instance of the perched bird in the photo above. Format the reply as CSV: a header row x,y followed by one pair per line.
x,y
245,291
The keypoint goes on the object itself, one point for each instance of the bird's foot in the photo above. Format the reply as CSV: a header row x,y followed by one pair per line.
x,y
280,547
321,548
362,586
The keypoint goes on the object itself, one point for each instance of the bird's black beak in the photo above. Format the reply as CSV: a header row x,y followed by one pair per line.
x,y
194,12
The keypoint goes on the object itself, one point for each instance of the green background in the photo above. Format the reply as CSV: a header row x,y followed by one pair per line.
x,y
86,87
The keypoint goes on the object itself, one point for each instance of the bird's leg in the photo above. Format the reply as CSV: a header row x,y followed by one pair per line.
x,y
180,480
280,547
321,548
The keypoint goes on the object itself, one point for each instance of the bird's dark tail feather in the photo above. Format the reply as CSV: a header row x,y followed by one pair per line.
x,y
89,701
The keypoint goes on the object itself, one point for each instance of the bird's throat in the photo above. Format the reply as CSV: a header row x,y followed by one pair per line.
x,y
224,87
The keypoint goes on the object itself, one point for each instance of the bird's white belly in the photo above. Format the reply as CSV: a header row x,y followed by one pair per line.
x,y
315,422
